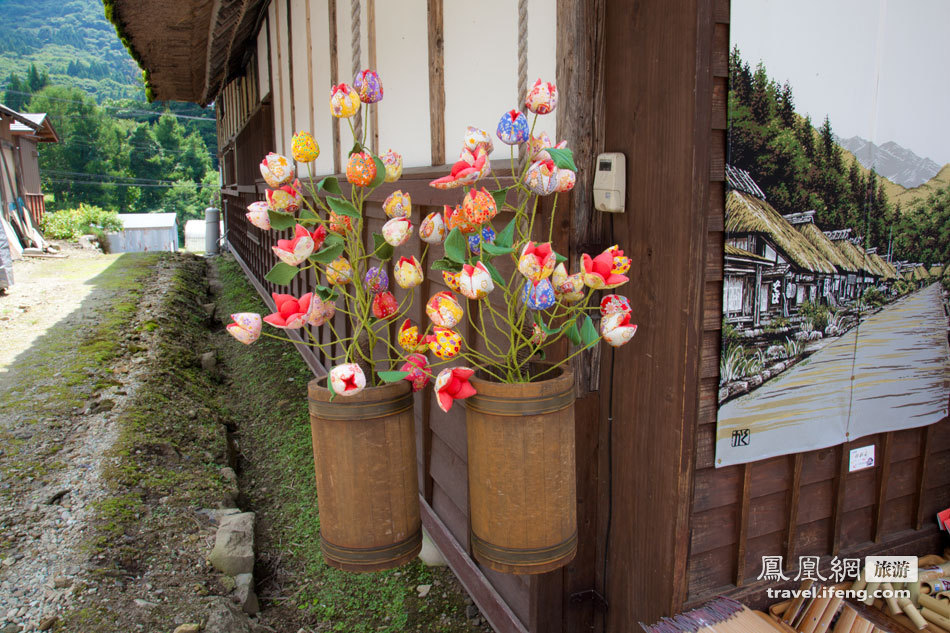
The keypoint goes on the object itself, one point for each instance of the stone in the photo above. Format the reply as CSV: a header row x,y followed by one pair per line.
x,y
188,628
11,628
89,242
209,361
231,479
61,582
423,590
471,612
244,594
233,551
47,623
225,617
430,554
209,309
145,604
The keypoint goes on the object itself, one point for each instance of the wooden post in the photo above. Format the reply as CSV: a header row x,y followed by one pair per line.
x,y
436,81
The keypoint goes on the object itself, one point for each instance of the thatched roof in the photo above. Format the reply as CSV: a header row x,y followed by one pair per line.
x,y
880,266
740,180
825,246
936,270
921,274
748,214
739,253
188,49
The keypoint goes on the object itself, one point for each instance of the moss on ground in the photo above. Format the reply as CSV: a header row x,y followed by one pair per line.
x,y
268,403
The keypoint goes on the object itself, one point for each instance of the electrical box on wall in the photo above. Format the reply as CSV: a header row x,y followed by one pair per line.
x,y
610,182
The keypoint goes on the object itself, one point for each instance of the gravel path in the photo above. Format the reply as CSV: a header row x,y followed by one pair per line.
x,y
51,451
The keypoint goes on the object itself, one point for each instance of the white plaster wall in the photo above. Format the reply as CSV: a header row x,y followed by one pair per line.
x,y
345,71
301,78
277,98
263,64
402,54
542,54
323,120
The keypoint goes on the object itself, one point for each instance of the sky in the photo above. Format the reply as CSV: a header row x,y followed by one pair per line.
x,y
879,69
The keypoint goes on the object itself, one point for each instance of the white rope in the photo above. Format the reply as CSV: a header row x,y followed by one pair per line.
x,y
355,41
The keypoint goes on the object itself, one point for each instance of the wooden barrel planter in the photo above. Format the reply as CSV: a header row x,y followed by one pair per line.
x,y
364,451
521,475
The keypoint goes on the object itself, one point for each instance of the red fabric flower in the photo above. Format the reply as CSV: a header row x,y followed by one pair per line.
x,y
452,384
291,312
598,271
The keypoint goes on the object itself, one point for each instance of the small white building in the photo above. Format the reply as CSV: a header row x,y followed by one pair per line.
x,y
145,232
195,234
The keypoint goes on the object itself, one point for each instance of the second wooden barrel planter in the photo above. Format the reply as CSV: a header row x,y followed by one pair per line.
x,y
521,474
364,451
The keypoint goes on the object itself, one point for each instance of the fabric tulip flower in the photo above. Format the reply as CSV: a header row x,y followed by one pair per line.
x,y
408,272
542,177
292,312
512,128
409,338
258,216
455,218
344,101
453,384
444,310
398,205
617,329
319,236
611,304
537,145
246,327
340,223
475,281
347,380
567,288
432,230
621,263
472,166
475,241
538,296
451,279
538,335
321,311
477,137
542,98
360,169
417,366
479,206
537,261
445,343
339,272
286,198
276,170
393,163
376,280
294,252
598,271
397,231
384,305
566,179
304,147
369,87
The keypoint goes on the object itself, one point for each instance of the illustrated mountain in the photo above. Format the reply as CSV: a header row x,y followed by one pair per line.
x,y
892,161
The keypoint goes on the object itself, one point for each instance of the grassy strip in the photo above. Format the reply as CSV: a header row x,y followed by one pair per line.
x,y
268,402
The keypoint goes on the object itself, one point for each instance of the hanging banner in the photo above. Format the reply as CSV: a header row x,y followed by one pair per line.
x,y
837,229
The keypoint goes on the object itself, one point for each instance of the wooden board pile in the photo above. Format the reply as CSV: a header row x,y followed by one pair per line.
x,y
721,615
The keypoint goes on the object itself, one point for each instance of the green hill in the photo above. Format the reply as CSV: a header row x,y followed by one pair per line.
x,y
907,197
73,42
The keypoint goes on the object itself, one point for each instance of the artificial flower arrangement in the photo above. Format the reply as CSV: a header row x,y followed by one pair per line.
x,y
542,302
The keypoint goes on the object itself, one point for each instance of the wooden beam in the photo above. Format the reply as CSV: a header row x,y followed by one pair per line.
x,y
791,528
334,79
884,474
279,100
837,511
312,120
922,476
371,37
744,502
436,81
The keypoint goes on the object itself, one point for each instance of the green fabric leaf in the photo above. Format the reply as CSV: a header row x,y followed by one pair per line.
x,y
343,207
494,250
357,147
382,249
327,294
282,274
572,334
500,196
559,258
563,158
333,238
280,221
446,264
392,376
507,236
456,246
327,254
330,389
543,325
589,332
495,275
331,185
380,173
